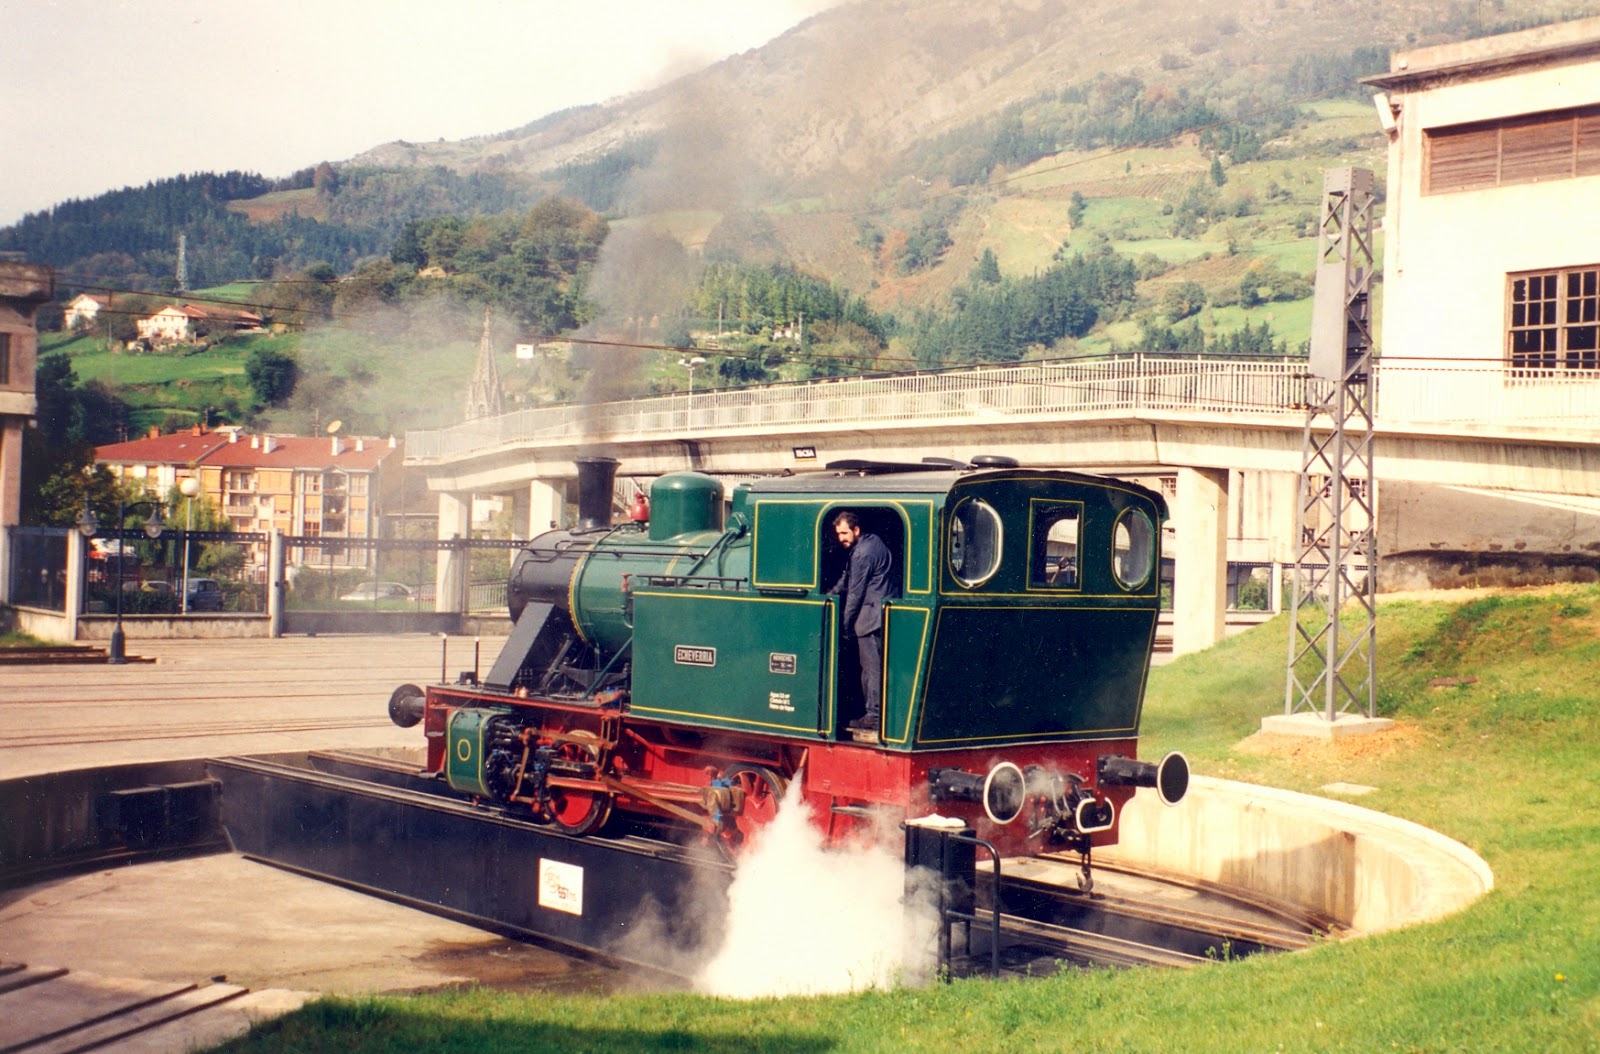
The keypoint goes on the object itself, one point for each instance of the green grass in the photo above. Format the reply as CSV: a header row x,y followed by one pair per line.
x,y
1172,250
1507,763
244,292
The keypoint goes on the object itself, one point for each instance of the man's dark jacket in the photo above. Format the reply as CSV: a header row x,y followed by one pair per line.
x,y
868,582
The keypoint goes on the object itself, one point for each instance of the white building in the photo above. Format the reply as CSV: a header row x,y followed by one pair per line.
x,y
181,323
83,309
1492,250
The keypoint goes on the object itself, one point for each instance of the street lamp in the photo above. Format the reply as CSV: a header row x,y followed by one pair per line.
x,y
188,488
691,364
153,526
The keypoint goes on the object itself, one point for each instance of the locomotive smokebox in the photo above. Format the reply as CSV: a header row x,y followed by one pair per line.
x,y
596,485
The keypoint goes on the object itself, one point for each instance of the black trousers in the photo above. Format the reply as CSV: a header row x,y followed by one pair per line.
x,y
870,648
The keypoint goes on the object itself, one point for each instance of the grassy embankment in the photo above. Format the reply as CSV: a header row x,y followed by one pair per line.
x,y
1504,758
391,385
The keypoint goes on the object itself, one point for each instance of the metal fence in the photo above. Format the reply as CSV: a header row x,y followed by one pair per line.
x,y
396,574
1043,389
227,572
38,571
1409,392
180,572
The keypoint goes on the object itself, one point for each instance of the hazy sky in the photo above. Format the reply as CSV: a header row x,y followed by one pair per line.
x,y
102,94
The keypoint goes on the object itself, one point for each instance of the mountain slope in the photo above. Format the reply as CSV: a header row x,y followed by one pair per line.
x,y
836,101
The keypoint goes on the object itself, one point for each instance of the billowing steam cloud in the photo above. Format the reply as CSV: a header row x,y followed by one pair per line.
x,y
807,920
646,272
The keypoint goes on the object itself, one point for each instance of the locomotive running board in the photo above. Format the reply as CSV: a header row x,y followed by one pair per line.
x,y
392,833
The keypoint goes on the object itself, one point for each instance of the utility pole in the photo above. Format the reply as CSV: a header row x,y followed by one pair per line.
x,y
1332,666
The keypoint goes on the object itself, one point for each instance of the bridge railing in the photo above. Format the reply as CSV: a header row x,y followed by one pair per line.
x,y
1408,391
1456,396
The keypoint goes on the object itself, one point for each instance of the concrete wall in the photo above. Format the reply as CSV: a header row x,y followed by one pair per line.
x,y
173,627
1366,871
1450,537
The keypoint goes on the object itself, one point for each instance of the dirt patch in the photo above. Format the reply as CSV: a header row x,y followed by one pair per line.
x,y
1403,737
1464,594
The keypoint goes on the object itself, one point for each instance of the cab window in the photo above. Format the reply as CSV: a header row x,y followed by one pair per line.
x,y
976,537
1055,545
1133,549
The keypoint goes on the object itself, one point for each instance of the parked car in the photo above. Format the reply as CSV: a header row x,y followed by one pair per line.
x,y
204,595
370,591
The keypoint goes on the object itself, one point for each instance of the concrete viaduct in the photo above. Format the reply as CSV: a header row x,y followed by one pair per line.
x,y
1466,457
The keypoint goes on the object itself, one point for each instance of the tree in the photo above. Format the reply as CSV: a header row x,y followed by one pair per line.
x,y
987,270
58,470
1218,176
1182,300
272,376
1076,210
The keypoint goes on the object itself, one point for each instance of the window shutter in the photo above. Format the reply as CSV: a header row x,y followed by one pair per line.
x,y
1463,158
1588,144
1536,148
1556,145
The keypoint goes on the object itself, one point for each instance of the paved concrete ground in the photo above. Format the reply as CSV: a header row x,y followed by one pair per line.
x,y
210,698
131,933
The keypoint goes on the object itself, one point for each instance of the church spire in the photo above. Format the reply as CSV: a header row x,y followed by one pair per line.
x,y
483,398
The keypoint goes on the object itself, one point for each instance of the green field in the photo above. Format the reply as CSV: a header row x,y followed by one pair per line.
x,y
377,385
173,387
1506,758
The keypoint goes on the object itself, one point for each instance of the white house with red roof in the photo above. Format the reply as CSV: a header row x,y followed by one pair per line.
x,y
181,323
83,309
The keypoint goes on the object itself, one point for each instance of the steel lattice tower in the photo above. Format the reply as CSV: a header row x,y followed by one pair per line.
x,y
1332,668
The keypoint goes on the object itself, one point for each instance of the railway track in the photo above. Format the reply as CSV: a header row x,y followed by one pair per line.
x,y
1045,922
132,733
58,1011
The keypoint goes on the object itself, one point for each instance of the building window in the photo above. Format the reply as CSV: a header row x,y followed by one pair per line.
x,y
1555,320
5,358
1560,144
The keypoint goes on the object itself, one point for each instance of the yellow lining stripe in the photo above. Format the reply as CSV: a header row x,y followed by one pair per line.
x,y
912,706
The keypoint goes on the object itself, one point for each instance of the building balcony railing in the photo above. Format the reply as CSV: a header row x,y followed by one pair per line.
x,y
1408,393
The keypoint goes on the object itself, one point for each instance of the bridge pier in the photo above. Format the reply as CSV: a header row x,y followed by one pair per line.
x,y
450,576
545,502
1200,588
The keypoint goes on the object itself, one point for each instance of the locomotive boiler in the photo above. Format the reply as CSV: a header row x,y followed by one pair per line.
x,y
688,664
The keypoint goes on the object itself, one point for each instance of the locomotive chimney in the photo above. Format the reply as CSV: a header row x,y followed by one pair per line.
x,y
596,485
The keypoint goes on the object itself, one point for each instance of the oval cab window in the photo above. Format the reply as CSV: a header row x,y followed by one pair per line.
x,y
1133,549
975,538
